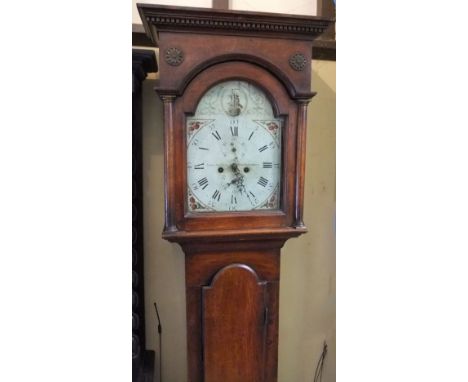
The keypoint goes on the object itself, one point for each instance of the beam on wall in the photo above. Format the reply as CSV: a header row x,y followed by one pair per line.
x,y
220,4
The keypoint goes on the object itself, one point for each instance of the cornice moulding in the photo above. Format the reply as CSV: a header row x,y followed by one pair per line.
x,y
158,18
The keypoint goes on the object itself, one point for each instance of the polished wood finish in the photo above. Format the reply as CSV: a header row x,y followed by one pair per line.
x,y
238,325
201,267
161,18
232,259
321,49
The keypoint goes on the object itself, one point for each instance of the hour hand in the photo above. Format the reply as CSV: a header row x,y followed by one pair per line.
x,y
235,180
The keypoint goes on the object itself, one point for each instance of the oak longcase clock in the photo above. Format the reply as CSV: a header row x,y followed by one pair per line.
x,y
235,87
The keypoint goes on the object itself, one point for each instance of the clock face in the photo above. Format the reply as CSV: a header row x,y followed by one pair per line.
x,y
233,151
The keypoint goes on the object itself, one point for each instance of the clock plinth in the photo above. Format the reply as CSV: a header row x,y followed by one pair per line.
x,y
235,87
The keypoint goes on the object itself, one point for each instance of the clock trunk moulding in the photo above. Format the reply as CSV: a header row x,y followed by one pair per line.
x,y
224,76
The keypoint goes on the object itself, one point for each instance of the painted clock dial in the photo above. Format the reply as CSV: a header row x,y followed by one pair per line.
x,y
233,151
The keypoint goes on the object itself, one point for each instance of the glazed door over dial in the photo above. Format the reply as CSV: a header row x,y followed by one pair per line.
x,y
233,151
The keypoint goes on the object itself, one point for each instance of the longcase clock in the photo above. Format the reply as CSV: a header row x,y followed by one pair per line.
x,y
235,87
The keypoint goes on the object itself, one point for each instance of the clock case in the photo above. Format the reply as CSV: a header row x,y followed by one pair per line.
x,y
232,258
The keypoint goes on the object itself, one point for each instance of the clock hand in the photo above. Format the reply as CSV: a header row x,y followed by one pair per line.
x,y
240,179
238,176
235,180
245,190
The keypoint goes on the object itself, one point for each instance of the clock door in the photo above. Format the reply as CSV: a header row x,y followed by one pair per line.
x,y
232,313
234,323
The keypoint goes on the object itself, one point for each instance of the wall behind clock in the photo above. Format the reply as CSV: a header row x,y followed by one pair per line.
x,y
307,292
307,295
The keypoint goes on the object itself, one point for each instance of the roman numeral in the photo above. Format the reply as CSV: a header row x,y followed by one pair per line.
x,y
250,136
216,135
200,166
235,131
262,181
203,148
263,148
265,165
251,193
216,195
233,199
203,183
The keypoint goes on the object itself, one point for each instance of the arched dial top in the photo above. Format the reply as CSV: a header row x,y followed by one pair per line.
x,y
234,151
